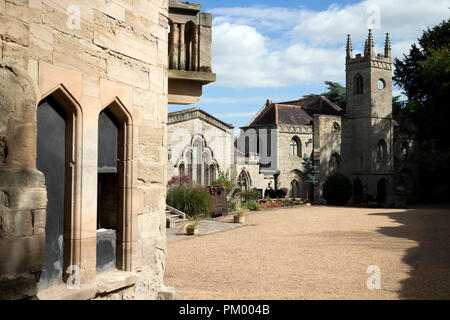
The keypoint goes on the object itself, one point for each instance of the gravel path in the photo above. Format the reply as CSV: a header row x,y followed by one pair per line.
x,y
318,253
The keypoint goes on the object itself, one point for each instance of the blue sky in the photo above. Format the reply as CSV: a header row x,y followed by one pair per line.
x,y
282,50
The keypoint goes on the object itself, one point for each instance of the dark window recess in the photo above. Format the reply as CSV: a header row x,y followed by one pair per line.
x,y
108,190
51,161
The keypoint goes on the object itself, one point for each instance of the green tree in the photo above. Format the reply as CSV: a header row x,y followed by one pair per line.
x,y
424,76
310,171
336,93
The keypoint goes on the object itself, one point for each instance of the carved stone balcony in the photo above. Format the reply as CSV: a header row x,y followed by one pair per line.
x,y
190,52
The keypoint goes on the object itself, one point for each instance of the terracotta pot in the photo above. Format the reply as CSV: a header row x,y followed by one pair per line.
x,y
239,219
191,231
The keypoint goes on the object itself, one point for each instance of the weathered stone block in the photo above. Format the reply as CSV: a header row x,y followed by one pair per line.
x,y
16,223
69,52
151,133
17,289
22,144
19,11
112,9
127,72
136,49
14,54
41,42
15,178
23,199
20,255
14,30
151,172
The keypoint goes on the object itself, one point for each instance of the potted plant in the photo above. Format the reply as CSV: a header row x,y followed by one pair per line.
x,y
239,217
190,227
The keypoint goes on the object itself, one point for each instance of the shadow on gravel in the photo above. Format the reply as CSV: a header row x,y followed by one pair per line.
x,y
430,260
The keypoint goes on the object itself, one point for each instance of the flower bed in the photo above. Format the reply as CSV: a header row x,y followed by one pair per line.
x,y
269,203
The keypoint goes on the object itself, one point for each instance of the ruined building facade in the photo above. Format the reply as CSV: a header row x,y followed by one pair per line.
x,y
83,141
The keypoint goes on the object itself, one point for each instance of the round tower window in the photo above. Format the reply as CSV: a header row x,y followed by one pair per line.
x,y
381,84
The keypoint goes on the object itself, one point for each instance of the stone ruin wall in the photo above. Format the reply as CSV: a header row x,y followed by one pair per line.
x,y
117,53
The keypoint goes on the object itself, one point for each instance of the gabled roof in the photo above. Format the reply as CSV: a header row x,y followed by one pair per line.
x,y
194,113
300,112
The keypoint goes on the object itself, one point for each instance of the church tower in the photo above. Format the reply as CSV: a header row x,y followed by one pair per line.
x,y
369,114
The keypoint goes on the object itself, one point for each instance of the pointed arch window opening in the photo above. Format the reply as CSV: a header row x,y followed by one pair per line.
x,y
114,215
243,180
358,84
382,152
58,157
295,147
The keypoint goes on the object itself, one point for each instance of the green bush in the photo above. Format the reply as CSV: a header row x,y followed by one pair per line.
x,y
250,195
252,206
337,189
232,206
191,200
223,181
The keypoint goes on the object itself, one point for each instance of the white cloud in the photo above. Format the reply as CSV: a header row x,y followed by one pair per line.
x,y
275,47
242,58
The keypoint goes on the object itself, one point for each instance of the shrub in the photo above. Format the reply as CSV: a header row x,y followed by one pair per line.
x,y
191,200
250,195
274,194
270,193
232,206
223,181
177,181
337,189
252,206
281,193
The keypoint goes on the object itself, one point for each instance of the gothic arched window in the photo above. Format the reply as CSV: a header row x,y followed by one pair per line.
x,y
382,150
295,147
335,164
358,85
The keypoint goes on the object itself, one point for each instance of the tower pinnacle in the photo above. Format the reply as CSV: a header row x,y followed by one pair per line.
x,y
370,49
349,47
387,47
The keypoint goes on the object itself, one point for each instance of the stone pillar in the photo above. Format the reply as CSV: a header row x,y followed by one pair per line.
x,y
205,43
23,196
194,50
182,50
174,39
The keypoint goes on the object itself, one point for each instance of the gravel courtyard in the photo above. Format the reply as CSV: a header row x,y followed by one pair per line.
x,y
318,253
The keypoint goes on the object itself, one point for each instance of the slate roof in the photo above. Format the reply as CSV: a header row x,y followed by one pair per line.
x,y
300,112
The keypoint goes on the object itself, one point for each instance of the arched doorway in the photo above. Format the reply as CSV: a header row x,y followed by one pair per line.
x,y
299,188
295,189
381,191
243,180
358,191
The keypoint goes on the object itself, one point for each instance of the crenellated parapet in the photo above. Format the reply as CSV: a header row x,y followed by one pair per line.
x,y
190,51
369,58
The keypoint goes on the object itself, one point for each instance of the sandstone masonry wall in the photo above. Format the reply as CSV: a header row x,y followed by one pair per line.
x,y
117,54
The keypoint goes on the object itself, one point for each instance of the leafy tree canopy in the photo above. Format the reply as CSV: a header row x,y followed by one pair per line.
x,y
336,93
424,76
